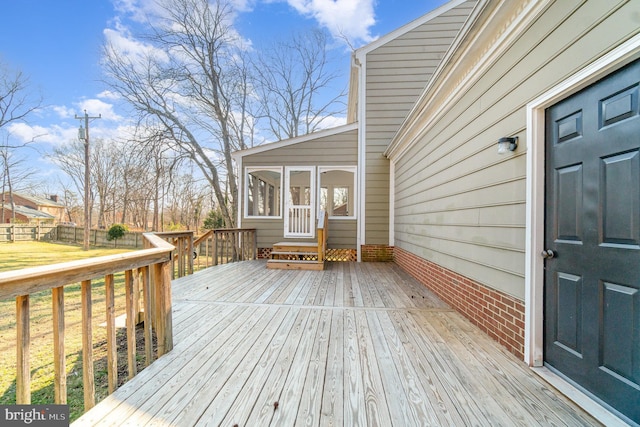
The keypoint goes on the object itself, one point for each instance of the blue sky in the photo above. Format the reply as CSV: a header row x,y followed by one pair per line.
x,y
57,44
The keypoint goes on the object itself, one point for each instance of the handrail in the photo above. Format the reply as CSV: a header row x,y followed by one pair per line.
x,y
203,237
224,245
147,270
35,279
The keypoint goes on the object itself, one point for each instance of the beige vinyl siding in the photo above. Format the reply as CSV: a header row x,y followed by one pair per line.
x,y
396,74
333,150
457,202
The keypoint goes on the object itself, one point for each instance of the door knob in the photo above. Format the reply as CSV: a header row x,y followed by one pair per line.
x,y
548,254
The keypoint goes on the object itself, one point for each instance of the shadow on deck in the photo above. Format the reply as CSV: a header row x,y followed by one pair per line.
x,y
355,344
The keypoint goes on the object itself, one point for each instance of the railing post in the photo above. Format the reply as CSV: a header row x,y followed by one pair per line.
x,y
215,248
255,244
60,373
112,345
190,253
164,320
131,314
148,328
23,371
87,347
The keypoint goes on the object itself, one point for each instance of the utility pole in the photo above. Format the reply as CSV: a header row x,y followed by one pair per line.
x,y
83,135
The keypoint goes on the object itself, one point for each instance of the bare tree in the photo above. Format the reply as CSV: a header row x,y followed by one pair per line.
x,y
16,103
291,77
16,99
194,88
70,159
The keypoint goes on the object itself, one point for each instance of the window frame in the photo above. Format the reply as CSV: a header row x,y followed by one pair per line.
x,y
353,196
247,171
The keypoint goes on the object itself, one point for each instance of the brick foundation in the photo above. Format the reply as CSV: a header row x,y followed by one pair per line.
x,y
376,253
499,315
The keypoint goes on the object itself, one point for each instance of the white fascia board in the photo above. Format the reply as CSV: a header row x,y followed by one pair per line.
x,y
362,52
286,142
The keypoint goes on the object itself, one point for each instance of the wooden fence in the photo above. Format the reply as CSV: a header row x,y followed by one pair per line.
x,y
69,234
26,232
147,290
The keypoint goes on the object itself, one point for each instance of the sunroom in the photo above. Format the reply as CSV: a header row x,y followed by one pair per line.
x,y
287,186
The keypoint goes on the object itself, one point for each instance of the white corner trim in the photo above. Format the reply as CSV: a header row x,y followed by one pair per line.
x,y
362,157
392,203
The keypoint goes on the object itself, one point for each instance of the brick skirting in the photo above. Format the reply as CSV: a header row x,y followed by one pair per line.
x,y
499,315
376,253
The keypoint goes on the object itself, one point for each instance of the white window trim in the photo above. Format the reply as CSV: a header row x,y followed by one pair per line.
x,y
245,199
352,169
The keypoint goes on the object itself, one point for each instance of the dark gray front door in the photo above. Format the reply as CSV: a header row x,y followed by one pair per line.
x,y
592,277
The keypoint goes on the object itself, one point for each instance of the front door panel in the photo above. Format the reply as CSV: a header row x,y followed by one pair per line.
x,y
592,283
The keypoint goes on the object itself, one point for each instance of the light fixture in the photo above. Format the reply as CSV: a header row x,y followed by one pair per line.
x,y
506,144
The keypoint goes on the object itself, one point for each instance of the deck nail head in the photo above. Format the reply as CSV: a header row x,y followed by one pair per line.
x,y
275,405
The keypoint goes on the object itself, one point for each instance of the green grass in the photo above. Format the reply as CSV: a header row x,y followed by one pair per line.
x,y
28,254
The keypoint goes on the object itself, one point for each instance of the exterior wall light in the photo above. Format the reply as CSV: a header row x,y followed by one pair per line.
x,y
506,144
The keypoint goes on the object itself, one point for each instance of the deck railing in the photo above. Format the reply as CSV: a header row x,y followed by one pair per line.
x,y
182,262
225,245
147,276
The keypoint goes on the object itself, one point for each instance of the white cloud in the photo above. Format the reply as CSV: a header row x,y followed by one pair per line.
x,y
107,94
343,18
63,111
95,107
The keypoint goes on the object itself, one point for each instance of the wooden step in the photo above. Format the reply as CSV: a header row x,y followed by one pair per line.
x,y
295,247
283,264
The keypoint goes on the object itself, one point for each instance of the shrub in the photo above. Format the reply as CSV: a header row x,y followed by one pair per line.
x,y
116,231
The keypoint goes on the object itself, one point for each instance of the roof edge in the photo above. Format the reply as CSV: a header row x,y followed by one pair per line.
x,y
408,27
297,140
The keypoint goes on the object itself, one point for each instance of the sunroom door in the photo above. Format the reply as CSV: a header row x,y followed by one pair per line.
x,y
299,219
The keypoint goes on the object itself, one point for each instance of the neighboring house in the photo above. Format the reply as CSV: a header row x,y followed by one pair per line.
x,y
28,215
27,208
540,246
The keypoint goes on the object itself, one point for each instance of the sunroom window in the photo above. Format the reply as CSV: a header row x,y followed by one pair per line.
x,y
337,191
263,192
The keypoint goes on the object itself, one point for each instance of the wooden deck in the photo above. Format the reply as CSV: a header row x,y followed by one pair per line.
x,y
356,344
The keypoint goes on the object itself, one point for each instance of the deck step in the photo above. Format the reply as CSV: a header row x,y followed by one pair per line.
x,y
294,253
283,264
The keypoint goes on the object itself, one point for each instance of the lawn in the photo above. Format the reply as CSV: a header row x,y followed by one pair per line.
x,y
28,254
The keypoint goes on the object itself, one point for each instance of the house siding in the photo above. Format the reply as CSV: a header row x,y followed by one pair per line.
x,y
334,150
396,74
460,205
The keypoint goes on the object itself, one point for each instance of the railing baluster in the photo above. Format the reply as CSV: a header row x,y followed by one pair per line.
x,y
131,323
87,347
23,380
112,345
59,366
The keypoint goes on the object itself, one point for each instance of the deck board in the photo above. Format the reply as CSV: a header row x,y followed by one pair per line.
x,y
354,344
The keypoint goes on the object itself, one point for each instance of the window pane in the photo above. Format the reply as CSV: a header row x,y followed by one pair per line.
x,y
340,201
